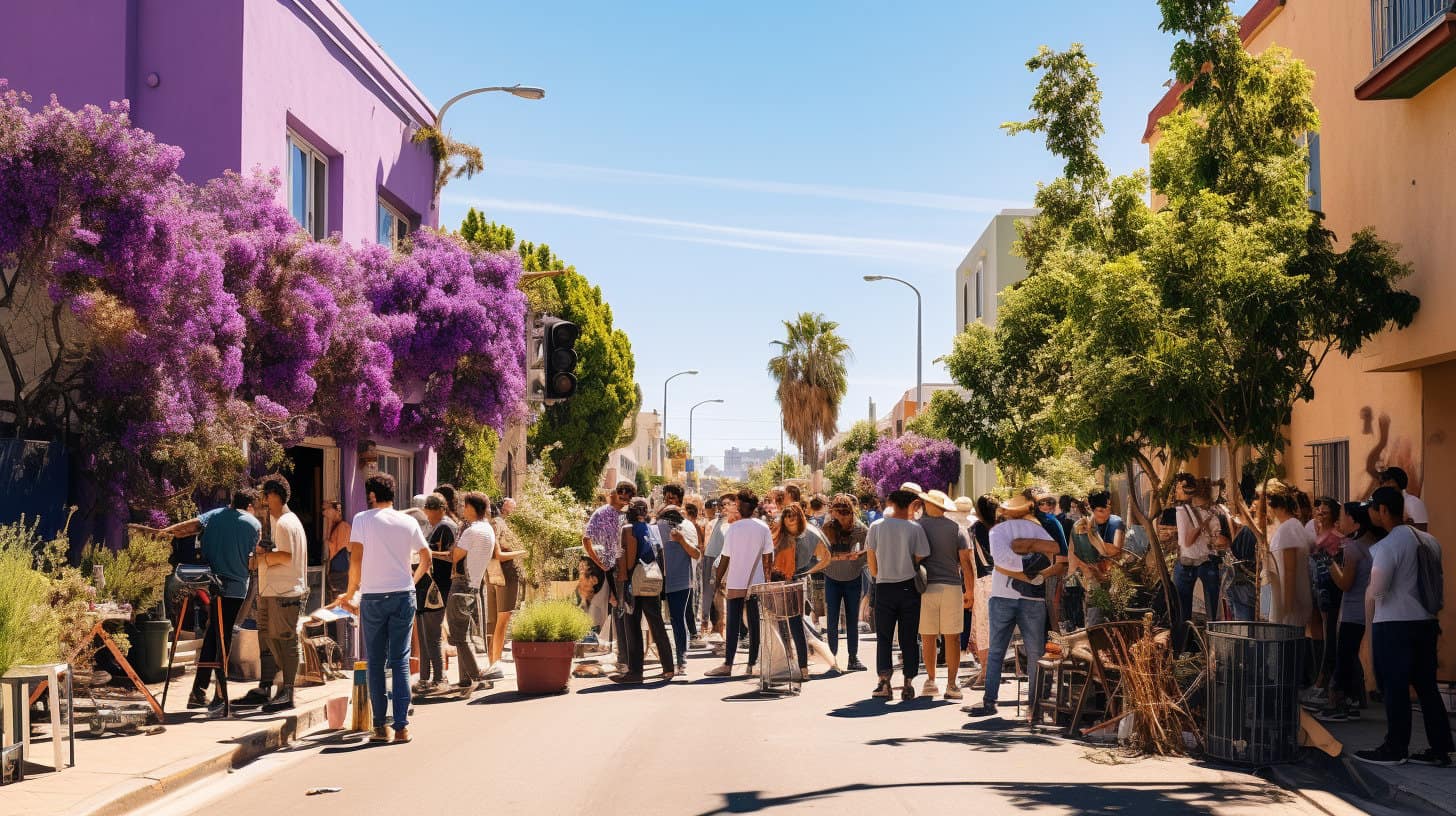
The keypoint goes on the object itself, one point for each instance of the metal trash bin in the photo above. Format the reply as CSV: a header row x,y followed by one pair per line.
x,y
1253,692
778,657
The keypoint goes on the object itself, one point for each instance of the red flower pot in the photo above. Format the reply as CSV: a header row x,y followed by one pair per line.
x,y
542,668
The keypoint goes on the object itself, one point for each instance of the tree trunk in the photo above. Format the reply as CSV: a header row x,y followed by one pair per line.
x,y
1154,545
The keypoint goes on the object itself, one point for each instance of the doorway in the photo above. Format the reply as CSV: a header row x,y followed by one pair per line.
x,y
307,479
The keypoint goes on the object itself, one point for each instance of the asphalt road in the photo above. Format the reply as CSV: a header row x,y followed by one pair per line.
x,y
705,746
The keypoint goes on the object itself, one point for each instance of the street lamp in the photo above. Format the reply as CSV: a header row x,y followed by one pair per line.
x,y
919,380
663,454
690,431
522,91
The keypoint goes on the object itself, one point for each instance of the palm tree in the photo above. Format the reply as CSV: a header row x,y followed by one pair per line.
x,y
811,378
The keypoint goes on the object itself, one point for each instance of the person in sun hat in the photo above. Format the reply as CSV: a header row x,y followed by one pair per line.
x,y
949,575
965,516
1021,548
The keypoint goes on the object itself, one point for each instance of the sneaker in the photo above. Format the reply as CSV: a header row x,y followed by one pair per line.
x,y
980,709
219,709
1381,756
952,692
1332,715
723,670
682,668
1431,757
401,735
907,692
883,689
929,689
197,699
380,734
1352,712
493,672
280,702
697,643
854,665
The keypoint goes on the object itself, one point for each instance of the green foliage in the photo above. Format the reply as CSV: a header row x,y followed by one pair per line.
x,y
812,378
29,627
548,522
676,446
453,159
136,574
773,473
644,480
1114,595
467,456
559,621
1069,472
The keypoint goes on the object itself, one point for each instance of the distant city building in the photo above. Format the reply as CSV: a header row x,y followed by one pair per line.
x,y
737,463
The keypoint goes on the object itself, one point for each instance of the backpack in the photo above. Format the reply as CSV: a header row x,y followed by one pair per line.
x,y
1430,583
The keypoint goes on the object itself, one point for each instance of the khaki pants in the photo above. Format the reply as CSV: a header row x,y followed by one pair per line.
x,y
459,618
278,630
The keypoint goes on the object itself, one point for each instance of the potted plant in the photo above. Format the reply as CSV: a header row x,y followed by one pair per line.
x,y
543,642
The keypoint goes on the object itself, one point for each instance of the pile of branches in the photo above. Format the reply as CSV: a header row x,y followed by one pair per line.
x,y
1157,688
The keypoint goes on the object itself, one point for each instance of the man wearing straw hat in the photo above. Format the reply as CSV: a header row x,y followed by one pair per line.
x,y
949,574
1021,549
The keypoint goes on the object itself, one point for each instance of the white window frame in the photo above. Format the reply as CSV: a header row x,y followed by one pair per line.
x,y
404,479
315,223
401,223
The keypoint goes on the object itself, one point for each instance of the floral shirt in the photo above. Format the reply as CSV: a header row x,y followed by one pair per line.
x,y
605,531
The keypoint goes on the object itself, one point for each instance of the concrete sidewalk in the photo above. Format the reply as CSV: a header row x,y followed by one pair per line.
x,y
1432,790
117,773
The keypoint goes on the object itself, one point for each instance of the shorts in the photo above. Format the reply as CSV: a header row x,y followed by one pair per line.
x,y
502,599
941,610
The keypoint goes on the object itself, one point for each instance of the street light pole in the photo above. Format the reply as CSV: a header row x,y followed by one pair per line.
x,y
662,471
690,431
522,91
919,338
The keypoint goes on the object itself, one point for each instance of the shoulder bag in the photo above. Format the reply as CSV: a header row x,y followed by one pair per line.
x,y
647,575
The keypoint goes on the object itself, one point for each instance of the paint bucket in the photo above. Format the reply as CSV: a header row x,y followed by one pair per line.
x,y
337,710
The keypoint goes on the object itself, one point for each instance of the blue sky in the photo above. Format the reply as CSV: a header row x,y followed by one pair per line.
x,y
718,168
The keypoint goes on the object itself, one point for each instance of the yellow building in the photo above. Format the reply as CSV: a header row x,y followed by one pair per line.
x,y
1387,101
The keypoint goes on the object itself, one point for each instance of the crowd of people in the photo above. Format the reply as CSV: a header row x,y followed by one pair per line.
x,y
940,577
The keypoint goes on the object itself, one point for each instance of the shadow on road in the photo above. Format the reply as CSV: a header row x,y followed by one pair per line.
x,y
875,707
993,736
1162,799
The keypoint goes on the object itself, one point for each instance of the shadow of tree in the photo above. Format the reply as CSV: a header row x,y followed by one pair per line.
x,y
1163,799
875,707
977,737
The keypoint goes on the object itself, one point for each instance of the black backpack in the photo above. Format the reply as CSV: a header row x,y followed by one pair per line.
x,y
1430,583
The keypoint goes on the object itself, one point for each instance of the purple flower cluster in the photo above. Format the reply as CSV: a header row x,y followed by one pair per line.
x,y
931,463
186,315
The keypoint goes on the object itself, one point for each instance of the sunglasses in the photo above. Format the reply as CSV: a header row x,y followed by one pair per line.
x,y
1047,503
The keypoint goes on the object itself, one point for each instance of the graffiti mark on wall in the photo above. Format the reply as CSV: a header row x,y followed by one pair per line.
x,y
1388,451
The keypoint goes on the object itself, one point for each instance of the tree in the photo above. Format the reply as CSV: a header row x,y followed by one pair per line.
x,y
588,426
467,456
811,377
842,470
773,473
931,463
676,446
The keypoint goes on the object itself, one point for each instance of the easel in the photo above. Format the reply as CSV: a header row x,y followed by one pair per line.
x,y
99,631
220,665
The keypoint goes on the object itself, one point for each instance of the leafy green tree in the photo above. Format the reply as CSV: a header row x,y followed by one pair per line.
x,y
772,473
676,446
467,456
842,470
811,377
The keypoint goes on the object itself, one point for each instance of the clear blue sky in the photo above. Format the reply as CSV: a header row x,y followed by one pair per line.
x,y
717,168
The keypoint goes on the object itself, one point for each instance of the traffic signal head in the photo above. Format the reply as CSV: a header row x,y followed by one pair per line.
x,y
559,339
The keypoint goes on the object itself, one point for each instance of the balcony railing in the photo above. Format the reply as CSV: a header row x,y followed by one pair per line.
x,y
1394,23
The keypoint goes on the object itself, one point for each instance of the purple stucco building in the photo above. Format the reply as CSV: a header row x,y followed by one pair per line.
x,y
295,85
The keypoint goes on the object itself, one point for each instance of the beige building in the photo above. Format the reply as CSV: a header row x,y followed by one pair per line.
x,y
644,452
988,268
1382,159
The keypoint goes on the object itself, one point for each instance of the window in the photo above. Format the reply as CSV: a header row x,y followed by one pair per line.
x,y
980,272
1329,468
402,468
308,186
1312,177
965,305
393,226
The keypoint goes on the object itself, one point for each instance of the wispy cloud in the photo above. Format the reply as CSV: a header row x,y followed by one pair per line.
x,y
872,195
763,240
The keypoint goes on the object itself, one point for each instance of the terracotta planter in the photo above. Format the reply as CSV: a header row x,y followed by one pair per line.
x,y
542,668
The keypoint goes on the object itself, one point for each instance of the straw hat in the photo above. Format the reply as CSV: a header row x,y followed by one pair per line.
x,y
965,505
913,488
1018,504
939,499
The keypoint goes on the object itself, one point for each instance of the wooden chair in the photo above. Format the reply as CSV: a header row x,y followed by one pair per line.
x,y
1108,652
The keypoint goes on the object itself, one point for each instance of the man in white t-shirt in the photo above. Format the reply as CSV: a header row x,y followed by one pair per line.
x,y
282,592
1014,603
1415,509
747,559
382,542
473,551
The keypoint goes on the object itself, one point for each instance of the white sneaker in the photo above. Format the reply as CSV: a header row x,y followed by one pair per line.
x,y
493,672
929,689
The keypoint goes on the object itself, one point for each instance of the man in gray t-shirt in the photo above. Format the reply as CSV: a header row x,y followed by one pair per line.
x,y
895,546
949,572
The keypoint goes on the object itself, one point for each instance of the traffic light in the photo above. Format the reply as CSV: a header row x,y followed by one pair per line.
x,y
559,340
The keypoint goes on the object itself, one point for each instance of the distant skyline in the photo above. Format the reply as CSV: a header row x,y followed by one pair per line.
x,y
718,169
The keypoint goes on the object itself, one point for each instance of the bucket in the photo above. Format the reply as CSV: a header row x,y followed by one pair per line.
x,y
337,710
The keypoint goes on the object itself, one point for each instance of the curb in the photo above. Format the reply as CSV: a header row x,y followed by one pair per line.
x,y
136,792
1356,783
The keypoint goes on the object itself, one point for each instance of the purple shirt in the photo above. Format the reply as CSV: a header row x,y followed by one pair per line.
x,y
605,531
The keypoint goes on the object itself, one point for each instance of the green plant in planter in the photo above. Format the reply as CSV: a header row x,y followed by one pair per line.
x,y
558,621
29,630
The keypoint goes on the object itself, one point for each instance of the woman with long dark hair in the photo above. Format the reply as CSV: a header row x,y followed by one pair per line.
x,y
793,529
1351,573
843,575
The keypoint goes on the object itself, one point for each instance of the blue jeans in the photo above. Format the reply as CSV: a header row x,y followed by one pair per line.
x,y
1184,579
847,594
1028,615
677,609
388,620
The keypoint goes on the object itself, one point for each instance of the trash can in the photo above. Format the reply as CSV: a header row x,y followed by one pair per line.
x,y
1253,692
149,649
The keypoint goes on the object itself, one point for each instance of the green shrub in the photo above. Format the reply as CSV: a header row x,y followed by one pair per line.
x,y
29,629
557,621
135,575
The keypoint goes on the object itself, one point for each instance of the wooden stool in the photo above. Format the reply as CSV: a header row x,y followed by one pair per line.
x,y
18,701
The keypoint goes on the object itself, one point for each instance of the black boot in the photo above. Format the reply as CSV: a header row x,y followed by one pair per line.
x,y
282,701
255,697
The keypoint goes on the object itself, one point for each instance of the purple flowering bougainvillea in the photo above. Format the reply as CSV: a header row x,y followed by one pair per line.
x,y
931,463
171,323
